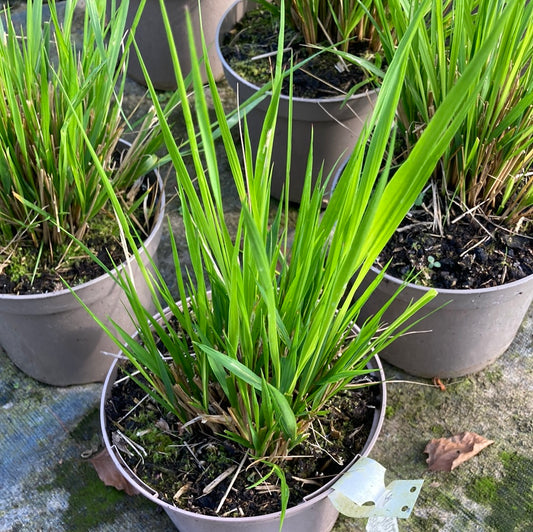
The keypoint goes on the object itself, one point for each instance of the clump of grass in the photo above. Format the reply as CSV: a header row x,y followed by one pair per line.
x,y
263,337
487,167
336,22
50,189
264,332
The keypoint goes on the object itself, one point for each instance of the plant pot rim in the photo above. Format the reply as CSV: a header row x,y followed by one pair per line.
x,y
153,234
322,492
283,97
453,291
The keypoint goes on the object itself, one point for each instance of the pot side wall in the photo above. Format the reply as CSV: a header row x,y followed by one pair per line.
x,y
152,41
53,339
466,335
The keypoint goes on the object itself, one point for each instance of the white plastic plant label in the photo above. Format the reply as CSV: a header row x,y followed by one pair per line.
x,y
361,493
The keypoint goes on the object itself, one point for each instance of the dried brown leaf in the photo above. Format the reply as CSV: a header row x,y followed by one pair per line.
x,y
109,474
446,454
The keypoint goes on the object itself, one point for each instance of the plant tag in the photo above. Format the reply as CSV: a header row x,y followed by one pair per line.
x,y
361,492
382,524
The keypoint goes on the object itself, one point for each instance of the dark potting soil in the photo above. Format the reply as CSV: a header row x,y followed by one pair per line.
x,y
82,269
181,463
322,77
50,278
473,253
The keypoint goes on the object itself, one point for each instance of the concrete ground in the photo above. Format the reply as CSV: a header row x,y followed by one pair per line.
x,y
48,433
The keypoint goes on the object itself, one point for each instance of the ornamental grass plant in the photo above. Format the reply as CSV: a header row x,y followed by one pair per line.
x,y
324,27
487,167
336,22
261,337
50,189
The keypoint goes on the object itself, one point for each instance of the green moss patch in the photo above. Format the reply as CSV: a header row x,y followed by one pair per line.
x,y
509,498
91,503
483,490
88,426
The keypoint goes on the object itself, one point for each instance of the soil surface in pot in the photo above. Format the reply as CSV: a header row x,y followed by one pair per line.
x,y
473,253
180,463
77,267
250,49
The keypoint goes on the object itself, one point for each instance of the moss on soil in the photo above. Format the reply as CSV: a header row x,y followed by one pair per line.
x,y
23,260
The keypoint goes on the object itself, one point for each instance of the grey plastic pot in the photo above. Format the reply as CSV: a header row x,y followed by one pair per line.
x,y
152,42
465,336
53,339
333,125
315,514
